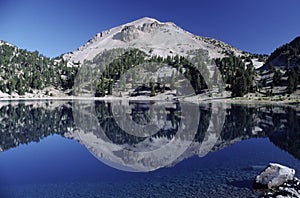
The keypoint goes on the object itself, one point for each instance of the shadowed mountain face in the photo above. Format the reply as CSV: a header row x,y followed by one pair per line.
x,y
285,56
143,136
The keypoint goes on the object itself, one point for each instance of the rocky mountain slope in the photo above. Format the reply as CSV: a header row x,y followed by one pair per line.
x,y
151,36
286,56
281,72
161,42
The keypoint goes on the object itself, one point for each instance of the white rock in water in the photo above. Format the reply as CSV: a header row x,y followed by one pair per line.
x,y
275,175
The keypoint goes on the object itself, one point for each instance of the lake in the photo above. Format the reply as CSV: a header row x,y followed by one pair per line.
x,y
89,148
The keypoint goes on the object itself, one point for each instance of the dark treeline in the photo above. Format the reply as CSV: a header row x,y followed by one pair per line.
x,y
132,58
239,77
23,71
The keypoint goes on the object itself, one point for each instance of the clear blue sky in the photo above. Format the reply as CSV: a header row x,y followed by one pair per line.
x,y
57,26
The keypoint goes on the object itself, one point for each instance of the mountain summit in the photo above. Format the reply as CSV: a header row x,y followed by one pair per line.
x,y
150,36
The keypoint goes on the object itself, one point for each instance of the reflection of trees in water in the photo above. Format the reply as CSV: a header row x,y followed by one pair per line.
x,y
22,124
205,115
239,122
279,123
110,127
140,114
286,133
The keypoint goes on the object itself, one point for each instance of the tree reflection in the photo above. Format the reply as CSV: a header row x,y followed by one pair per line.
x,y
22,123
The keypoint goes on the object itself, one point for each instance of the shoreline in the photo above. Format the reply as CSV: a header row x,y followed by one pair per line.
x,y
256,100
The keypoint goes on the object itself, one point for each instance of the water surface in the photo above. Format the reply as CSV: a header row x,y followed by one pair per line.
x,y
141,148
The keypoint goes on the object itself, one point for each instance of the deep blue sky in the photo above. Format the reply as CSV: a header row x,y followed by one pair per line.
x,y
57,26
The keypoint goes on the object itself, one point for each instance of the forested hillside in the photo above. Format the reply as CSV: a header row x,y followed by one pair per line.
x,y
22,71
281,73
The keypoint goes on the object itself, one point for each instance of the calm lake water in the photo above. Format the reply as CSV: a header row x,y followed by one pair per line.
x,y
142,148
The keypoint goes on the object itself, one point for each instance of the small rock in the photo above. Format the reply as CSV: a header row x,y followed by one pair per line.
x,y
277,181
273,176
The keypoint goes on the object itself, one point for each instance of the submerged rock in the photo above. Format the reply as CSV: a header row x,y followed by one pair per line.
x,y
277,181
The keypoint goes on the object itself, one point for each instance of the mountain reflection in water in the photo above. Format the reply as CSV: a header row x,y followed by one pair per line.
x,y
147,135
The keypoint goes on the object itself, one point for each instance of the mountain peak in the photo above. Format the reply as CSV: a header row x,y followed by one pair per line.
x,y
147,20
144,20
150,35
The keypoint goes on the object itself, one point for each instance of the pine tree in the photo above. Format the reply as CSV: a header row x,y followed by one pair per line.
x,y
239,87
11,85
292,81
110,87
277,78
20,87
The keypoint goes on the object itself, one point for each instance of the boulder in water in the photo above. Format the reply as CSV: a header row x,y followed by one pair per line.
x,y
274,176
277,181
